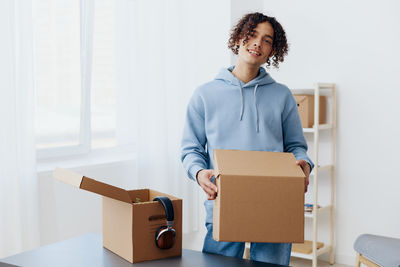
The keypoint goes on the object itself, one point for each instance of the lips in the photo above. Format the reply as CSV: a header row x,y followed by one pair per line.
x,y
254,52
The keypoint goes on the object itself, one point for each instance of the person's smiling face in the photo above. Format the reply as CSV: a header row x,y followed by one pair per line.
x,y
258,47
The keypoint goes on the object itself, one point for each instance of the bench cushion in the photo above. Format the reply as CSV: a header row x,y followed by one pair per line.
x,y
384,251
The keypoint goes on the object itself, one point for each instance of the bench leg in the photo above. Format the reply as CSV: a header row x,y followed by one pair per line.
x,y
361,259
358,262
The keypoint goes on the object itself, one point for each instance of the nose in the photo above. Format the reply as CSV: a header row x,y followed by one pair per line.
x,y
257,43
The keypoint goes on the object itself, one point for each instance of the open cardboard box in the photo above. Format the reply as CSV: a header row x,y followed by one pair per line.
x,y
129,226
260,197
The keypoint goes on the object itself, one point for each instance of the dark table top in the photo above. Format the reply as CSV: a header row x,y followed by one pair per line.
x,y
87,250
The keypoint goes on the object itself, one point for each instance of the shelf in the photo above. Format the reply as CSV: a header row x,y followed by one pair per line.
x,y
320,127
310,91
322,168
320,251
327,167
311,215
306,247
305,250
325,85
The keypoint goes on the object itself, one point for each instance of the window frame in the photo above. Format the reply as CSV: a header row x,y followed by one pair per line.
x,y
86,32
85,138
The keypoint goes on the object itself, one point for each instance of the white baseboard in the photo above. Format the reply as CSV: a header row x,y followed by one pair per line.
x,y
345,259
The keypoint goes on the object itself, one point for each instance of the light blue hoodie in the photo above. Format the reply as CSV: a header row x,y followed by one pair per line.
x,y
225,113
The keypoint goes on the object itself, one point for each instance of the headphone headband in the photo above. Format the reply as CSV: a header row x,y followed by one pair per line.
x,y
169,209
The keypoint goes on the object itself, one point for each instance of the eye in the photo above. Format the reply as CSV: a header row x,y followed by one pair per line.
x,y
267,41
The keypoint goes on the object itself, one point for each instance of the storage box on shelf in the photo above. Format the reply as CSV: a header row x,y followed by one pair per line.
x,y
305,105
312,249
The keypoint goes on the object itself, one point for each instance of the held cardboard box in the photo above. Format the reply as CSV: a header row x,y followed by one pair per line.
x,y
128,226
305,105
260,197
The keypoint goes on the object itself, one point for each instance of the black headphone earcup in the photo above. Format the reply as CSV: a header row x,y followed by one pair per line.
x,y
165,238
158,231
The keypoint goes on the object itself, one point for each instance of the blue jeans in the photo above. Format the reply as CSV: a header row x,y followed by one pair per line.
x,y
278,253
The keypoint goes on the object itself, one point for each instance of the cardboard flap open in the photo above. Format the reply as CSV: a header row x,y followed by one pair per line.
x,y
68,177
256,163
300,98
91,185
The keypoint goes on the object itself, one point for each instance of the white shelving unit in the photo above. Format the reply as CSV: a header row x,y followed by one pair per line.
x,y
327,89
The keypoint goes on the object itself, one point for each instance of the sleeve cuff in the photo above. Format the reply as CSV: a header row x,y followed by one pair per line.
x,y
310,163
194,170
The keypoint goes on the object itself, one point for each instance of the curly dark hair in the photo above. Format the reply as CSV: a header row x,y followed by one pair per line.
x,y
245,28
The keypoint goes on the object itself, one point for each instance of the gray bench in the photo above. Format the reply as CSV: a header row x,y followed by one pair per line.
x,y
373,250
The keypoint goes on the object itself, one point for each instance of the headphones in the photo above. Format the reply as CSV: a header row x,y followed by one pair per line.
x,y
165,235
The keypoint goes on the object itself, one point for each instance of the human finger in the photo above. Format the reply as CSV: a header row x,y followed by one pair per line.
x,y
208,190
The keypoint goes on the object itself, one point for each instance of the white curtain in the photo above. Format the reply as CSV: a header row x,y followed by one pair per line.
x,y
19,223
165,49
87,11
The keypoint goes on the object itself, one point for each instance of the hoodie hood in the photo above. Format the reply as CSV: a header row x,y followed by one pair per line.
x,y
263,78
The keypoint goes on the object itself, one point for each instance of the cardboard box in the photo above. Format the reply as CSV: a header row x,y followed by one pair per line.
x,y
305,105
129,227
260,197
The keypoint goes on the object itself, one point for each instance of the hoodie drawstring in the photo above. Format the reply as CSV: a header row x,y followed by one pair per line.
x,y
255,105
242,107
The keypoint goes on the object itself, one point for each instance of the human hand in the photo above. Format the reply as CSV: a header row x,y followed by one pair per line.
x,y
203,178
306,169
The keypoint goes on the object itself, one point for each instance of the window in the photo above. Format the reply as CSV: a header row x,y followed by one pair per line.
x,y
71,117
103,76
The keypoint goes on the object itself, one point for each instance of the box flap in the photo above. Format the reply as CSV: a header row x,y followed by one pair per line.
x,y
68,177
256,163
91,185
300,98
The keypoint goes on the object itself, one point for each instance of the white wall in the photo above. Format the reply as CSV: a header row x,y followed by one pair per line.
x,y
354,44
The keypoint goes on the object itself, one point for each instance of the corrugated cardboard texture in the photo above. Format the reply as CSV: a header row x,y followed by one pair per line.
x,y
117,227
141,194
305,105
129,225
256,163
91,185
255,210
260,197
217,212
154,193
147,218
134,239
105,190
